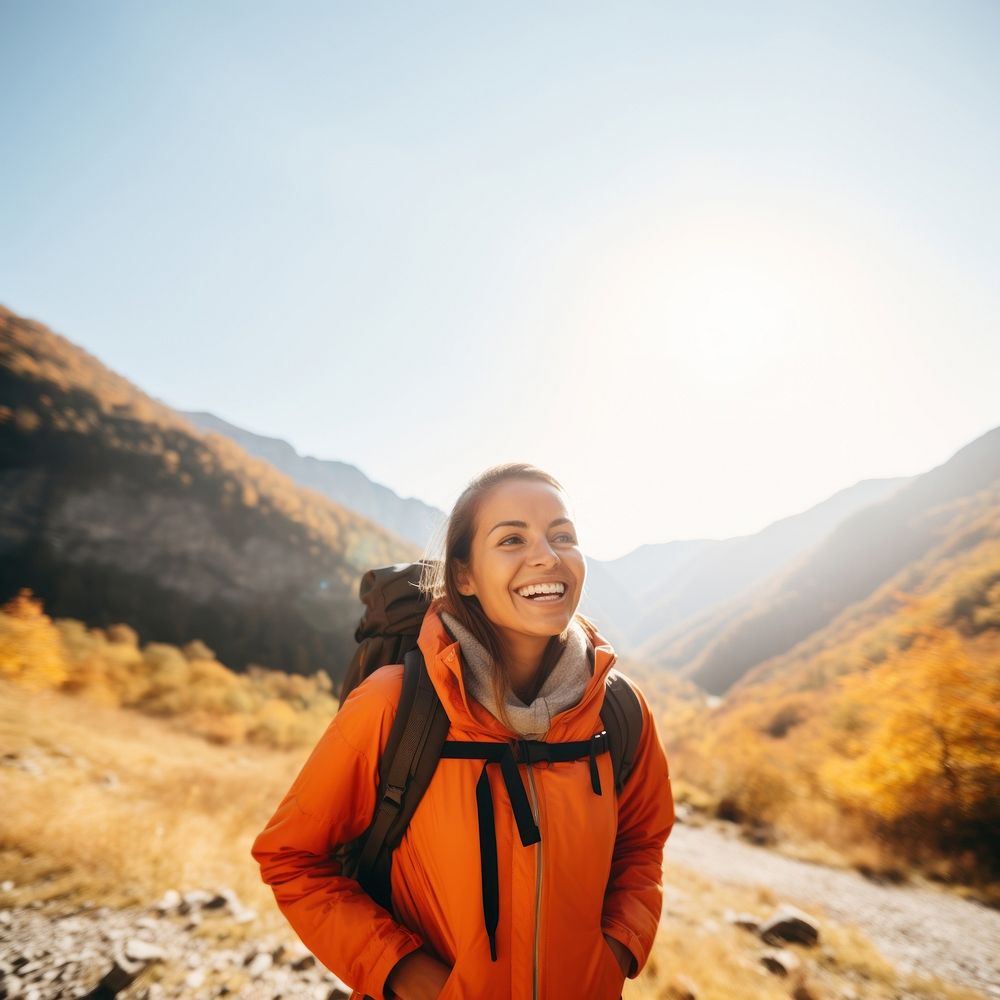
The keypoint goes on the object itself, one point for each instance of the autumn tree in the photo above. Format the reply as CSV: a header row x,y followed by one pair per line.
x,y
30,649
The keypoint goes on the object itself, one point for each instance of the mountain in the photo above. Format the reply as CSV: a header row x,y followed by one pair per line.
x,y
616,587
345,484
656,589
861,553
113,508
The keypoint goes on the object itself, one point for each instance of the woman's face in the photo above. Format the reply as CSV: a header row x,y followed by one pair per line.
x,y
539,547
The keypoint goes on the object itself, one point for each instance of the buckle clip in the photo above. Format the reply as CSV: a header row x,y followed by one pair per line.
x,y
393,794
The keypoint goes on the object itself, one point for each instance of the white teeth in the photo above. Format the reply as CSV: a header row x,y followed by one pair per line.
x,y
542,588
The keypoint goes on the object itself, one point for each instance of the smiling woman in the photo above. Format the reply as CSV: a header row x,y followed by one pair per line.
x,y
538,878
505,567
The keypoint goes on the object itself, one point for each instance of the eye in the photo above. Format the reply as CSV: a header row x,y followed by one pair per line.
x,y
509,538
568,536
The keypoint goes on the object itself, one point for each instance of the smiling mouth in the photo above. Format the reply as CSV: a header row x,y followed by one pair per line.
x,y
545,598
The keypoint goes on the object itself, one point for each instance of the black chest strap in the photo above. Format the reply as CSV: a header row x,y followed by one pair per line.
x,y
508,756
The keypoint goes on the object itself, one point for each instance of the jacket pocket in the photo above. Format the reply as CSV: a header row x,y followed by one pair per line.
x,y
612,979
450,990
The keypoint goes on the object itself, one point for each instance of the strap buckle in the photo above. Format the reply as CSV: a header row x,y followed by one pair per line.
x,y
393,794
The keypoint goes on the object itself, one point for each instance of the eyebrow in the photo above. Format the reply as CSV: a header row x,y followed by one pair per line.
x,y
524,524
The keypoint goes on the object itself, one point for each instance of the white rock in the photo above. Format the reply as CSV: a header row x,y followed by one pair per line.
x,y
260,964
196,898
143,951
170,900
244,916
195,979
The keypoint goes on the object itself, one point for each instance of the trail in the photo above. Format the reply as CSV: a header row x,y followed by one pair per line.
x,y
924,930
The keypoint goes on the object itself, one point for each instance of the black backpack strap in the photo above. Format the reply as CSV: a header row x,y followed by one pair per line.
x,y
411,755
622,718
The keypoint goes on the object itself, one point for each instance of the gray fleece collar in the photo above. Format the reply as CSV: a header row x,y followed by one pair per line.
x,y
563,688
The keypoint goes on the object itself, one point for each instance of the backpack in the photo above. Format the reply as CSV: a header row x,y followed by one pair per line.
x,y
387,633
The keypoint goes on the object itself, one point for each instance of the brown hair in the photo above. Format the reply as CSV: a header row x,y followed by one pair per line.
x,y
439,577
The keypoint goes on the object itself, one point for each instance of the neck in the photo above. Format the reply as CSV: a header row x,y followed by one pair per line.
x,y
523,657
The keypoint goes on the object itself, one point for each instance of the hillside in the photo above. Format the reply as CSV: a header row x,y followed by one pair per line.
x,y
345,484
862,552
880,732
115,509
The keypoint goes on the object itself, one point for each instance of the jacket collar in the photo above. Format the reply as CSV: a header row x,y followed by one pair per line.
x,y
469,719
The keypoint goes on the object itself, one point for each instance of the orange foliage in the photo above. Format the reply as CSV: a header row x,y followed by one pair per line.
x,y
926,743
187,685
30,651
902,750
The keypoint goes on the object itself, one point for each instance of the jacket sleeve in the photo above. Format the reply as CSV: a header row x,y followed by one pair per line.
x,y
331,802
634,896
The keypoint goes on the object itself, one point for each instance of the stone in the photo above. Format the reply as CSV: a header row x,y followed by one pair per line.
x,y
195,979
143,951
781,963
244,915
789,924
195,899
259,964
170,900
745,920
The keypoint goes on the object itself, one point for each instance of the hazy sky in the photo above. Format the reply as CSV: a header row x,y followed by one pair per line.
x,y
706,263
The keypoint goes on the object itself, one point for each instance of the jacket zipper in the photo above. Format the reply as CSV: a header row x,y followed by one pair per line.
x,y
538,882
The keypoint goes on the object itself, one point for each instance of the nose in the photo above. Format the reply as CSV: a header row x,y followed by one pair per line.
x,y
543,554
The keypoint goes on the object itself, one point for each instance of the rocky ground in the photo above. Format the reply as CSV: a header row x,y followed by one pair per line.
x,y
182,947
921,929
208,944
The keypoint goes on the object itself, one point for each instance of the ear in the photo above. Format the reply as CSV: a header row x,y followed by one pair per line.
x,y
465,587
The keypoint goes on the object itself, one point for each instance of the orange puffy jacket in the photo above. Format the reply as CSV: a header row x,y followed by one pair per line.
x,y
596,870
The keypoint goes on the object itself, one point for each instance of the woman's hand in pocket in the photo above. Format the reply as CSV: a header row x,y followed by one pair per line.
x,y
417,976
621,953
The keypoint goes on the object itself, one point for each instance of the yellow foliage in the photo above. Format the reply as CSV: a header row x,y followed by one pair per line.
x,y
930,742
898,744
107,667
274,725
30,648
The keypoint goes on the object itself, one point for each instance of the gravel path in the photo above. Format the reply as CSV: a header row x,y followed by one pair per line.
x,y
925,930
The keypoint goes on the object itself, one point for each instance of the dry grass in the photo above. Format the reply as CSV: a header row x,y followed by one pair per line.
x,y
125,807
182,813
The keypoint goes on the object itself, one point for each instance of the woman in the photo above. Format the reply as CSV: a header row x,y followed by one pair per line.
x,y
578,910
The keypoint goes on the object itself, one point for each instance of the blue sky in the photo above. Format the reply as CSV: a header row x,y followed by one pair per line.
x,y
706,263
